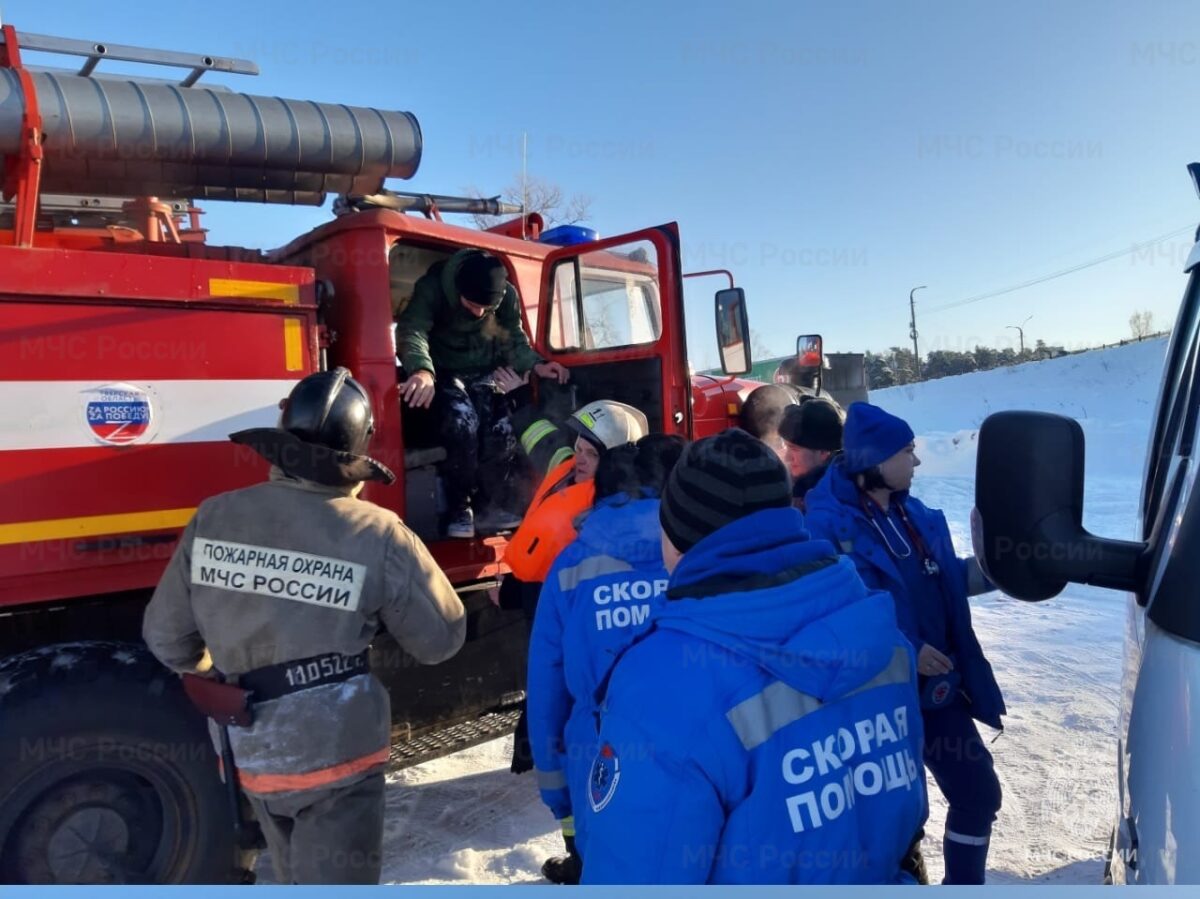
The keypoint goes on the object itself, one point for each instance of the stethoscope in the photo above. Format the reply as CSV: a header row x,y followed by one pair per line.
x,y
929,564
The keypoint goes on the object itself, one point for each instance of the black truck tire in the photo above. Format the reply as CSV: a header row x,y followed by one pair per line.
x,y
107,774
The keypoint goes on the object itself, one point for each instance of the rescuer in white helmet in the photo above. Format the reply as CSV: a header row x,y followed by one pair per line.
x,y
549,525
567,489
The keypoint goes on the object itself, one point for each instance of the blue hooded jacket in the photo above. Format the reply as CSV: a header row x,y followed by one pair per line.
x,y
597,598
765,729
833,512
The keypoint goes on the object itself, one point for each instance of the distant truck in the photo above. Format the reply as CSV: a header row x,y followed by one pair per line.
x,y
846,377
840,376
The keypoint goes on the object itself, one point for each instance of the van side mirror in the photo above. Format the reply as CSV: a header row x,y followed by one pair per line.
x,y
1029,494
733,331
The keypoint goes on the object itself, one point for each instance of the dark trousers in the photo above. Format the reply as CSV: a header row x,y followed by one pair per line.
x,y
474,426
961,765
329,836
519,595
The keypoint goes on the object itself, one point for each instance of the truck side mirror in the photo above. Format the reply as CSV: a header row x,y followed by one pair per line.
x,y
809,368
733,331
809,351
1029,494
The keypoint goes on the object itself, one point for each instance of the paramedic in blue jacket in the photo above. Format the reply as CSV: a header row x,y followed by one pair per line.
x,y
596,599
863,505
766,728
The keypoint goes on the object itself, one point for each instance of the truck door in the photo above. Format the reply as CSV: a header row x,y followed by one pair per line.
x,y
612,312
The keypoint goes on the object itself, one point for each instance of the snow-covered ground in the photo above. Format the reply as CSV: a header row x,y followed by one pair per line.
x,y
466,819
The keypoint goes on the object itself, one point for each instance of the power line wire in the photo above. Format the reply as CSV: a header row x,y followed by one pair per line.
x,y
1058,274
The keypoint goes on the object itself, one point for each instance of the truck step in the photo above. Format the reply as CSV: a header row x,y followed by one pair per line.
x,y
428,747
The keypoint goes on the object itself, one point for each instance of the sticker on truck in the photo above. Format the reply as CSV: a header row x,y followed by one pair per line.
x,y
119,414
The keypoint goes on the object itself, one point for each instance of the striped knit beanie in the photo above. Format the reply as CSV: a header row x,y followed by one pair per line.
x,y
717,481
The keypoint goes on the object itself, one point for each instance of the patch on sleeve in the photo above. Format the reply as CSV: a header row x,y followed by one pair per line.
x,y
605,774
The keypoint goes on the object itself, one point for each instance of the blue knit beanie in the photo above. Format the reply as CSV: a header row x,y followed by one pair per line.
x,y
872,436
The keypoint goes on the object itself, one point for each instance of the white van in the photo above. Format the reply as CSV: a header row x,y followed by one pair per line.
x,y
1030,538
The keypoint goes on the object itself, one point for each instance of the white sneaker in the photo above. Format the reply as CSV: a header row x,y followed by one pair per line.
x,y
462,527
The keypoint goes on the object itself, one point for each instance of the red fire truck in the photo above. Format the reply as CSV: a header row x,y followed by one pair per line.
x,y
131,346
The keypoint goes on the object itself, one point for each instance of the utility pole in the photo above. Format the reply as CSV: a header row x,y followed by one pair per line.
x,y
912,330
1020,329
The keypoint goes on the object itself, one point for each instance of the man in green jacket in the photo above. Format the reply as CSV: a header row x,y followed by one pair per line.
x,y
463,347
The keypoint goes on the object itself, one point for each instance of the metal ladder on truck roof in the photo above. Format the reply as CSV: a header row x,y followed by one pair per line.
x,y
94,52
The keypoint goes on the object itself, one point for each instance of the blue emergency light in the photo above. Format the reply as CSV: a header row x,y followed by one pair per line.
x,y
570,235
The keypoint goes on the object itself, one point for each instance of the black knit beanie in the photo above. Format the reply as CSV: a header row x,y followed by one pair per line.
x,y
482,279
815,425
717,481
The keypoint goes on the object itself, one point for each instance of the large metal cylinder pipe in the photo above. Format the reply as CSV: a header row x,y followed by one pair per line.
x,y
112,136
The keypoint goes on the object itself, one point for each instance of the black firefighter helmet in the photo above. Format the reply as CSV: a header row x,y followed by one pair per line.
x,y
323,433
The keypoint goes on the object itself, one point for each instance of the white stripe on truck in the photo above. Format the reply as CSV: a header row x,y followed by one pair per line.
x,y
53,414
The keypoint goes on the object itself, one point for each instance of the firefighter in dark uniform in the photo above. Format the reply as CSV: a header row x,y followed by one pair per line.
x,y
281,588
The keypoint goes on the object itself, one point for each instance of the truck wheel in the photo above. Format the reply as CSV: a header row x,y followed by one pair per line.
x,y
107,774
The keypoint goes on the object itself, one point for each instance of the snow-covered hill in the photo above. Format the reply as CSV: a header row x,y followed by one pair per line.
x,y
465,819
1110,392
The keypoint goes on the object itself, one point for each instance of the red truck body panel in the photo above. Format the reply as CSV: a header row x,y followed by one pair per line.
x,y
89,503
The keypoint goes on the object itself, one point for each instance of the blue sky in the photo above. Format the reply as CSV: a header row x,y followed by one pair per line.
x,y
834,155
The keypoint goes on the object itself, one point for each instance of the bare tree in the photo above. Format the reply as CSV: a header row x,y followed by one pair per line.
x,y
759,350
1141,324
540,196
601,323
